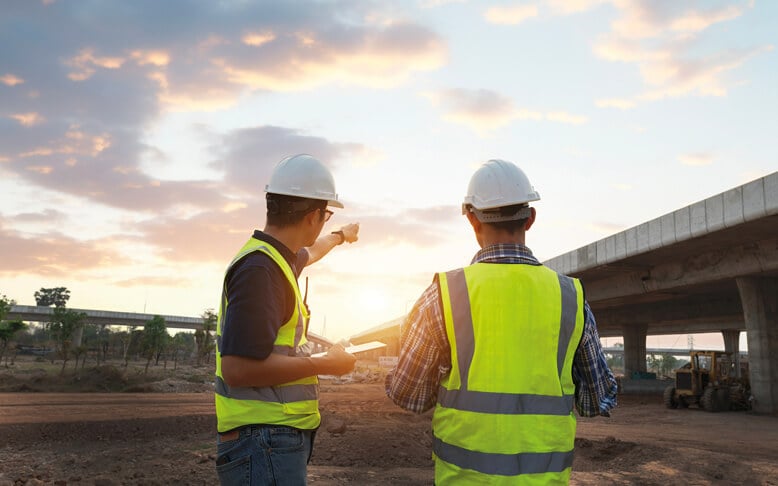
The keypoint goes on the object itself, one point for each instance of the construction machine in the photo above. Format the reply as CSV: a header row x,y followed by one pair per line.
x,y
713,380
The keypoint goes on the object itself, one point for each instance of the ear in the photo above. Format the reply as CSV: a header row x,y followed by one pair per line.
x,y
311,218
530,220
474,222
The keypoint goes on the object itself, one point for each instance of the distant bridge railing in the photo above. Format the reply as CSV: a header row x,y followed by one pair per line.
x,y
35,313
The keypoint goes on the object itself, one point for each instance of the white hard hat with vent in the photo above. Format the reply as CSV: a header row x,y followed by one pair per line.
x,y
496,184
303,176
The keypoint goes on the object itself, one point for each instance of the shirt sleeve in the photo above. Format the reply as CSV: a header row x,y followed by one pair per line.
x,y
595,385
424,357
257,307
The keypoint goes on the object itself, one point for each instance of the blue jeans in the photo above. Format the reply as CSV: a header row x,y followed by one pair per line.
x,y
265,455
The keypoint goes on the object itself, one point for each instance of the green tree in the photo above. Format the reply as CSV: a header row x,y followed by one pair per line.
x,y
155,338
203,337
62,326
7,328
56,296
181,344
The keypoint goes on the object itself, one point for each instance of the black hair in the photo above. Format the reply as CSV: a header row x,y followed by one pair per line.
x,y
283,210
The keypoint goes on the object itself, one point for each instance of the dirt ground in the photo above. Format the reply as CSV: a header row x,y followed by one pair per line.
x,y
156,438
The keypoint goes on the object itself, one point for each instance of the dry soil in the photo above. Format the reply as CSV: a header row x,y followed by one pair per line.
x,y
157,438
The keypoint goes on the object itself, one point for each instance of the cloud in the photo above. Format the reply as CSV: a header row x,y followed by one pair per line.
x,y
27,119
566,7
662,40
11,80
90,98
53,254
620,103
698,159
484,110
47,217
703,77
375,55
438,3
510,15
149,281
247,156
564,117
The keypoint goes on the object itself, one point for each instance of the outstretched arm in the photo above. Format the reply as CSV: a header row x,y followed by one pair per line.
x,y
325,243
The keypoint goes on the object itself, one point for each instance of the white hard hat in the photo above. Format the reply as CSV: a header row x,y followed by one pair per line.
x,y
303,176
498,183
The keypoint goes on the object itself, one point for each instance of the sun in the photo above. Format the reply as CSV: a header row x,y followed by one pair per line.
x,y
373,299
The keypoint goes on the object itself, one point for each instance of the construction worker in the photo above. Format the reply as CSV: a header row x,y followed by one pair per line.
x,y
267,390
502,349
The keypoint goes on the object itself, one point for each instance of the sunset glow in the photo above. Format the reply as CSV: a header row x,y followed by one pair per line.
x,y
133,160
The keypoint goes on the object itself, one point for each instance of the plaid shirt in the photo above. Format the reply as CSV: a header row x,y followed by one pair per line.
x,y
425,354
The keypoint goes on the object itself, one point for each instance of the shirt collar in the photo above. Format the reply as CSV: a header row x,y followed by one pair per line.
x,y
282,249
505,253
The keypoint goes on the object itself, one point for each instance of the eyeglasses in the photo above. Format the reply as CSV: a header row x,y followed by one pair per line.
x,y
327,214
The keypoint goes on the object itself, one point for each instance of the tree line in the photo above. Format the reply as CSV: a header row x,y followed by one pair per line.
x,y
68,337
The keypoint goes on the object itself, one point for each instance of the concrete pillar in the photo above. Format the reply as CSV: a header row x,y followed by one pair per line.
x,y
732,345
759,297
77,336
634,349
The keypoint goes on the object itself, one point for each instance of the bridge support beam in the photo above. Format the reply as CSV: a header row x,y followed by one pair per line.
x,y
77,337
760,309
634,349
732,345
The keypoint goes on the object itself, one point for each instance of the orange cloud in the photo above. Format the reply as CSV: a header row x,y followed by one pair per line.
x,y
11,80
659,38
155,58
53,254
28,119
85,62
258,39
41,169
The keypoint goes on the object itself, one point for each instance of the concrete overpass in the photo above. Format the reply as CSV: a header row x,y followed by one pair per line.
x,y
32,313
708,267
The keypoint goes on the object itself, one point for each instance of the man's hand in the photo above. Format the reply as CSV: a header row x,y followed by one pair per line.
x,y
350,232
336,362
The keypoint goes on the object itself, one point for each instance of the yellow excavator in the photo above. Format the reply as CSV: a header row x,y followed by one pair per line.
x,y
713,381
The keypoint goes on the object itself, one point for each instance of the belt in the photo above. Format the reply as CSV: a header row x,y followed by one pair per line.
x,y
231,435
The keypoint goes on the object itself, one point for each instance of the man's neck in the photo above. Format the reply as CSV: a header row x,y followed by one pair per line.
x,y
491,237
289,236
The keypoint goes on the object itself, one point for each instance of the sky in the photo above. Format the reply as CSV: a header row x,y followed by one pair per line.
x,y
136,138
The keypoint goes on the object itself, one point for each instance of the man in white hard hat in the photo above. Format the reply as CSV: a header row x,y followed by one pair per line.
x,y
266,386
503,349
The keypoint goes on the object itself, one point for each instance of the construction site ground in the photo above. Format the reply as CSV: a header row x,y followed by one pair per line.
x,y
162,433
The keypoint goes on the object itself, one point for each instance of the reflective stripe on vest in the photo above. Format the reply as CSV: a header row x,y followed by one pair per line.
x,y
295,403
459,405
503,464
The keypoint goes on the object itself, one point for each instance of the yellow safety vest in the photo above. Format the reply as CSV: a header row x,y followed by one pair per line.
x,y
296,403
505,410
